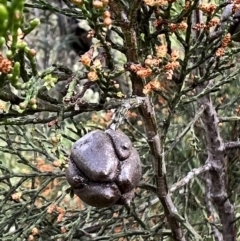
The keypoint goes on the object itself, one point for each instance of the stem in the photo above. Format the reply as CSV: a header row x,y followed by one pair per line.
x,y
148,116
216,188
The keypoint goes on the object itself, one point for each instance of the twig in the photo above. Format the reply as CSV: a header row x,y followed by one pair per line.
x,y
183,133
232,145
193,173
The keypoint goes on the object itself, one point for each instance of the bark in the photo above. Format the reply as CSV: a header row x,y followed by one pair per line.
x,y
216,183
217,175
146,110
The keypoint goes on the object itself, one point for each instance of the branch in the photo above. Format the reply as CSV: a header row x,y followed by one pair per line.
x,y
20,119
230,118
210,207
148,116
232,145
30,175
46,6
183,133
193,173
215,149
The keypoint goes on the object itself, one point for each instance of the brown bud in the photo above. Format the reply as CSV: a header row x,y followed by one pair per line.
x,y
107,21
97,4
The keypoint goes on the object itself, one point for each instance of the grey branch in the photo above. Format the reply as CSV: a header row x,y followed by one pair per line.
x,y
215,150
193,173
232,145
